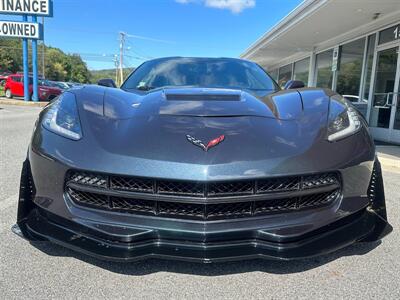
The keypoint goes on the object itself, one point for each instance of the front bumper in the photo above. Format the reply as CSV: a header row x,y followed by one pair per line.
x,y
112,241
366,225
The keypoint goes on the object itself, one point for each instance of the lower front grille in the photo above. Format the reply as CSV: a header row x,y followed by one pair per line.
x,y
202,200
201,211
202,190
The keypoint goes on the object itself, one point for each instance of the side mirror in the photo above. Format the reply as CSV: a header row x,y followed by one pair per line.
x,y
294,84
108,82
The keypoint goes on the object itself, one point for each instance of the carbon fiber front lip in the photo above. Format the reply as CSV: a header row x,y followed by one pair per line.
x,y
337,235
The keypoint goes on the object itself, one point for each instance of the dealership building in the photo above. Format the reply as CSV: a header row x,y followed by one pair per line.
x,y
350,46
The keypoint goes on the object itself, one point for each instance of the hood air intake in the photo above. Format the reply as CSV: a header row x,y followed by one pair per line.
x,y
203,97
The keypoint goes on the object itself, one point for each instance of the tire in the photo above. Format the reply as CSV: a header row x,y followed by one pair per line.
x,y
8,93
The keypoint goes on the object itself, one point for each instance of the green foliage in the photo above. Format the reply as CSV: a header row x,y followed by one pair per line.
x,y
59,66
10,55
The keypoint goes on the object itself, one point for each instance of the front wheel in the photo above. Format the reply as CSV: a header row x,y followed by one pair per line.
x,y
8,93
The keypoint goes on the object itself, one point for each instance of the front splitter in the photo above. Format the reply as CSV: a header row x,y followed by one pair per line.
x,y
366,225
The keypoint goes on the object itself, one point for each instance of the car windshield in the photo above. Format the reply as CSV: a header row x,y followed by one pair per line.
x,y
199,72
45,83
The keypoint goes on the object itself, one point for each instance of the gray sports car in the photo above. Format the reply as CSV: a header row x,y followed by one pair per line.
x,y
202,159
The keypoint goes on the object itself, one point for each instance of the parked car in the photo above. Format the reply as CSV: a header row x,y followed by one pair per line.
x,y
62,85
201,159
15,87
74,84
3,79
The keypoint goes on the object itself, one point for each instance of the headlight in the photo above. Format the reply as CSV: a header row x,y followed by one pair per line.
x,y
62,117
343,120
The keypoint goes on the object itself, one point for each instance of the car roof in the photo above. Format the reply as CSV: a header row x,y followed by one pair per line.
x,y
198,58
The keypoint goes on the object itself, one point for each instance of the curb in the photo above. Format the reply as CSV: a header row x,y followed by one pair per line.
x,y
22,102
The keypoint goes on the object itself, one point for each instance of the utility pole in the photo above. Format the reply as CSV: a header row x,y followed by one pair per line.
x,y
121,55
116,69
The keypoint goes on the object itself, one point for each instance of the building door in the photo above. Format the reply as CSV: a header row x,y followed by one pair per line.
x,y
384,117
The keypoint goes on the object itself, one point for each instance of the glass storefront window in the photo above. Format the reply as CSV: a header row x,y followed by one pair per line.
x,y
384,86
274,74
301,69
285,74
389,35
323,68
350,67
368,66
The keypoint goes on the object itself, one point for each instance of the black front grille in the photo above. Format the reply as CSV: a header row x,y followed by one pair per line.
x,y
89,199
221,189
91,179
216,211
132,205
279,184
198,189
131,184
202,200
182,188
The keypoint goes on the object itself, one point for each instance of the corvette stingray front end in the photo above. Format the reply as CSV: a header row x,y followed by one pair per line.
x,y
204,160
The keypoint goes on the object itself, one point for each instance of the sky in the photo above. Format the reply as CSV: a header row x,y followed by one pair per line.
x,y
158,28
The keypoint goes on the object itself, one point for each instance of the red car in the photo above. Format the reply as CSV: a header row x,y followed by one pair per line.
x,y
14,86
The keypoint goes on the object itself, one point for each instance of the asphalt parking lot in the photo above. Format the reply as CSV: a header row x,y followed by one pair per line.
x,y
43,270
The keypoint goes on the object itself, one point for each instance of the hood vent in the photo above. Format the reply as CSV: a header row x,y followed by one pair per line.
x,y
203,97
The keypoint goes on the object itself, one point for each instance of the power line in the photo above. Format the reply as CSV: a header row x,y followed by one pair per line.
x,y
140,37
140,52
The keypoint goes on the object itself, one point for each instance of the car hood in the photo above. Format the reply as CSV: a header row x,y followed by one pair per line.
x,y
49,88
202,102
282,125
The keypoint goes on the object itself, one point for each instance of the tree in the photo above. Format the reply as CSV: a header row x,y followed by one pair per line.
x,y
59,66
79,71
10,55
96,75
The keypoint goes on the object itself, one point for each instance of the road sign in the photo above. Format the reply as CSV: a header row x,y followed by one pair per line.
x,y
27,7
20,29
26,30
